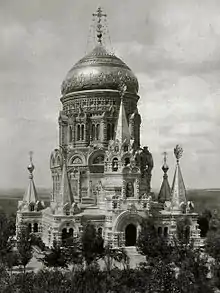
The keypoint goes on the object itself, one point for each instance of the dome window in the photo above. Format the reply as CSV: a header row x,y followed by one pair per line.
x,y
93,131
82,131
78,132
70,134
97,131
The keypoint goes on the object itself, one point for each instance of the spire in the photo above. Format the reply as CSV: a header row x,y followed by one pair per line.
x,y
122,130
178,191
30,195
65,193
165,191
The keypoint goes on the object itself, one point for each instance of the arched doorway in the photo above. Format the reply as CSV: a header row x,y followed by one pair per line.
x,y
130,235
66,235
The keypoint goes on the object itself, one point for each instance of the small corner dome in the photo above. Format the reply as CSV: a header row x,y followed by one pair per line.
x,y
99,70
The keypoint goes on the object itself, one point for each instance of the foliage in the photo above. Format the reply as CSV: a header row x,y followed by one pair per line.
x,y
72,250
37,241
192,269
183,231
7,231
92,244
111,255
150,244
24,246
51,282
212,248
203,221
55,257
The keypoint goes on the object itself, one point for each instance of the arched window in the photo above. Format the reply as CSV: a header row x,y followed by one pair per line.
x,y
71,232
31,206
165,232
97,131
100,231
127,161
144,205
115,165
70,134
112,131
115,205
98,160
187,233
29,228
78,132
108,131
82,131
125,148
93,131
35,227
159,231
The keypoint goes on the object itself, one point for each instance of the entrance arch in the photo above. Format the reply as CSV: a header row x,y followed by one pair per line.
x,y
130,235
66,234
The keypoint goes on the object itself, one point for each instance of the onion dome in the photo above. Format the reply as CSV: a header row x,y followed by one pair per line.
x,y
99,70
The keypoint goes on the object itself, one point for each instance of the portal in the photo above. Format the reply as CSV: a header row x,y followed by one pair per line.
x,y
130,235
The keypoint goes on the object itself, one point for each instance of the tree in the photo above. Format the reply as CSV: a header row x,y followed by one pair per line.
x,y
7,231
72,249
183,231
192,270
212,247
24,247
92,244
56,257
111,255
151,244
203,221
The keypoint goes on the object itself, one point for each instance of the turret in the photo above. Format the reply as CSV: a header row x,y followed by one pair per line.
x,y
165,191
178,191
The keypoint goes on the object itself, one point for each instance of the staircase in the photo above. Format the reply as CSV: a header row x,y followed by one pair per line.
x,y
134,256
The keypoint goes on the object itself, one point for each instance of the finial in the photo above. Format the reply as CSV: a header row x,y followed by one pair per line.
x,y
178,152
31,165
99,25
122,89
165,167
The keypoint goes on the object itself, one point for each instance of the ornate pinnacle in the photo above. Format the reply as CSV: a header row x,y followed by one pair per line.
x,y
99,27
31,165
178,152
165,167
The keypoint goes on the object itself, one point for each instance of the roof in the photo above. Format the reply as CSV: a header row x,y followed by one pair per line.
x,y
99,69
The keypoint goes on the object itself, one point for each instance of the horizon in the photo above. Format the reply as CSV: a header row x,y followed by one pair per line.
x,y
174,55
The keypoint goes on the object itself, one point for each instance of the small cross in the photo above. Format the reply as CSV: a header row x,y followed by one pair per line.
x,y
99,14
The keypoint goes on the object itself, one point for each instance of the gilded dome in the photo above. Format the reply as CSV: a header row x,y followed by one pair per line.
x,y
99,70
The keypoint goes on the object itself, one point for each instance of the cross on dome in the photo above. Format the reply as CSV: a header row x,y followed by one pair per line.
x,y
99,23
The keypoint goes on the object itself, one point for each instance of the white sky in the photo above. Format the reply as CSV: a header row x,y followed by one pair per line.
x,y
172,46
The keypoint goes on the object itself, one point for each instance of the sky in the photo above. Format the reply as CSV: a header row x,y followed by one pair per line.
x,y
172,46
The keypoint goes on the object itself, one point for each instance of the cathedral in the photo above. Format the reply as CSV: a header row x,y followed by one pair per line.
x,y
100,172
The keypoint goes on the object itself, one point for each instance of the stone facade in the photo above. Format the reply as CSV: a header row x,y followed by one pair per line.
x,y
100,172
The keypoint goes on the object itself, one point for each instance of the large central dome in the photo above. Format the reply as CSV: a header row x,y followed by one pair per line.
x,y
99,70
